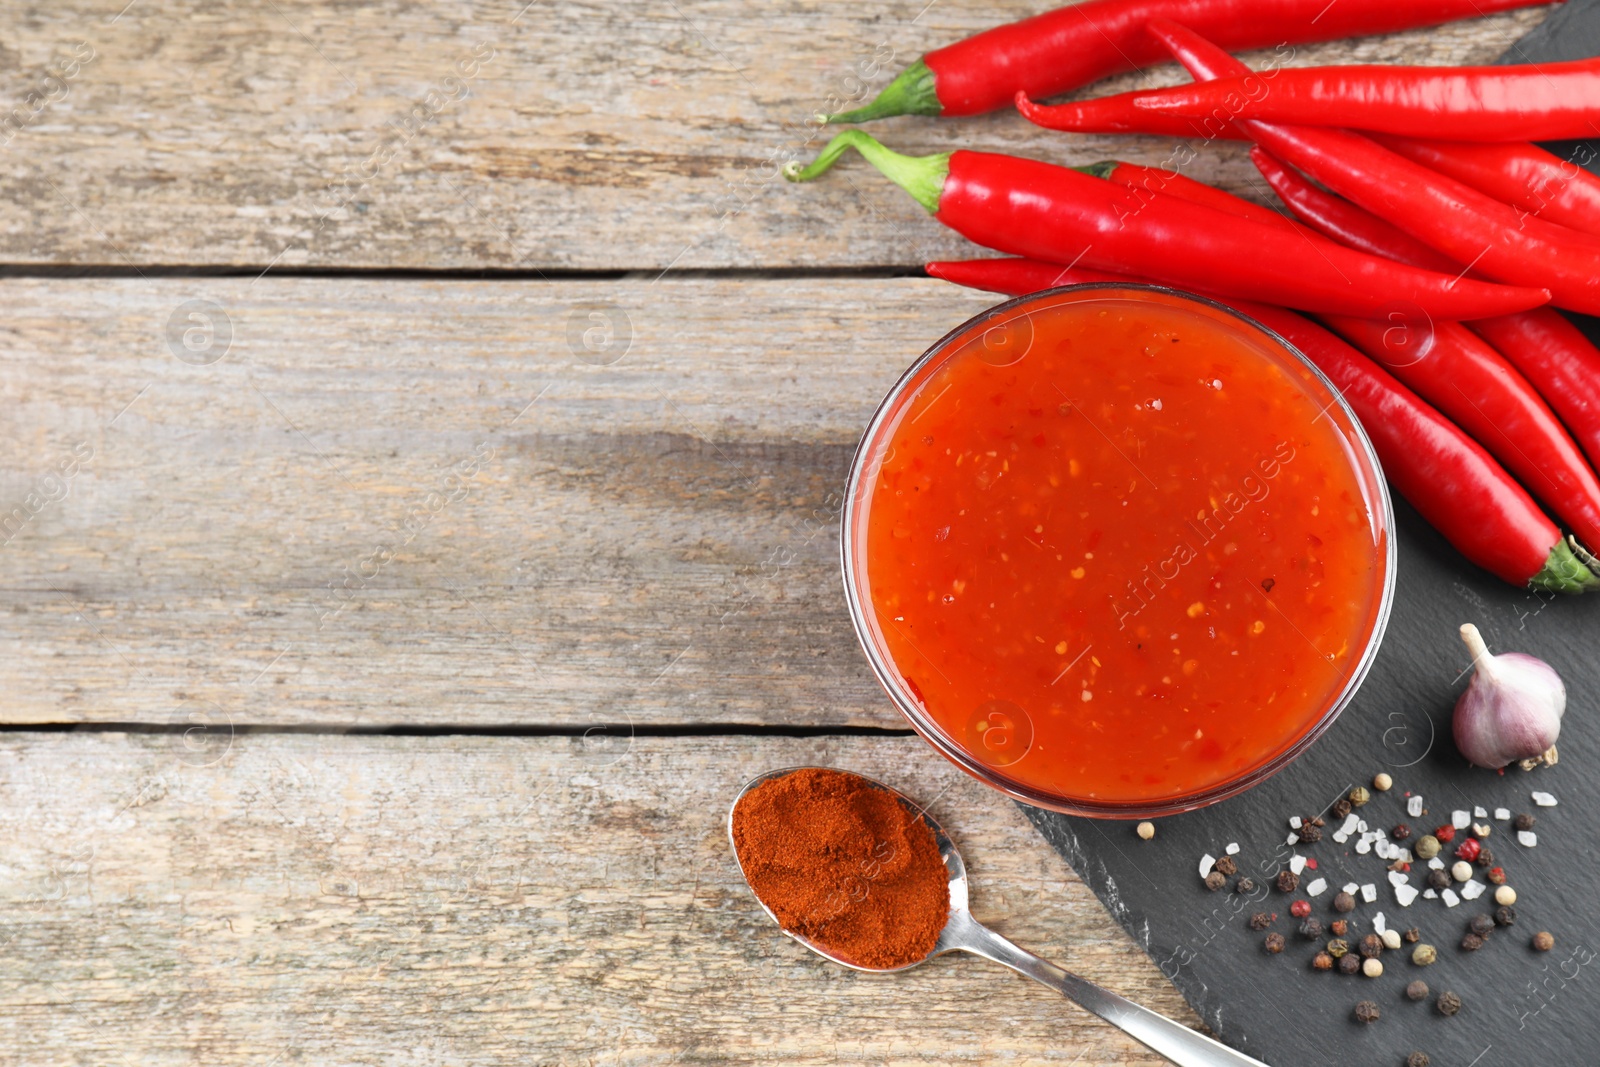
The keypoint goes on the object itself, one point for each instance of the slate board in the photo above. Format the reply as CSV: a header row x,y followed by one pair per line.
x,y
1521,1008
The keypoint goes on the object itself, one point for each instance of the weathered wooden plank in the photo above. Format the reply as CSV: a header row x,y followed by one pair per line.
x,y
503,133
402,502
322,899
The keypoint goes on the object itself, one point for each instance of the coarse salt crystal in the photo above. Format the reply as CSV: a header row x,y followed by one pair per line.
x,y
1397,878
1405,894
1544,800
1429,894
1369,892
1414,806
1480,813
1364,846
1460,819
1294,822
1351,887
1436,864
1383,848
1527,838
1502,813
1292,839
1340,838
1297,864
1405,855
1233,848
1315,888
1472,890
1206,863
1379,924
1449,897
1361,824
1350,824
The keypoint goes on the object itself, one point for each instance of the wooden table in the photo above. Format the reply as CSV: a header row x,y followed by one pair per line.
x,y
426,425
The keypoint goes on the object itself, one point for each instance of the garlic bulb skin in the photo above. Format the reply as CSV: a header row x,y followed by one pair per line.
x,y
1512,707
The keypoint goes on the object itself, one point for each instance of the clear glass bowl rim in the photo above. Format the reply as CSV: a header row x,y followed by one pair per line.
x,y
935,736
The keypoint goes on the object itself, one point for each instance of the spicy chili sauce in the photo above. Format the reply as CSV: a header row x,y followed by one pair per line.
x,y
1121,548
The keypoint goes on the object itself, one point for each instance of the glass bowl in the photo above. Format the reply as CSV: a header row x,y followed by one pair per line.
x,y
1004,332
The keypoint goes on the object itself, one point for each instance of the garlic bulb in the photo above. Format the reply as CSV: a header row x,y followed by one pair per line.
x,y
1511,709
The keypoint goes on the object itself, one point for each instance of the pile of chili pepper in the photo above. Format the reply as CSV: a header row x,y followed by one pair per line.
x,y
1424,246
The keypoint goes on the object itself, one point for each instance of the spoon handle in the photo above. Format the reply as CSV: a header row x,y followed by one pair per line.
x,y
1173,1040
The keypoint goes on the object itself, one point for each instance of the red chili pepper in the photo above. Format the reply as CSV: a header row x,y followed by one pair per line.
x,y
1116,114
1458,488
1469,849
1476,388
1542,344
1071,46
1151,181
1537,102
1520,174
1034,209
1495,238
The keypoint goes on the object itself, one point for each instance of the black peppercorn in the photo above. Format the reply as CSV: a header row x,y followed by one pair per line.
x,y
1482,925
1448,1003
1350,964
1505,916
1471,942
1339,928
1485,857
1438,879
1523,822
1215,881
1244,885
1226,866
1418,1059
1411,936
1417,990
1371,946
1311,930
1400,832
1288,881
1366,1011
1322,962
1260,921
1344,902
1274,943
1543,942
1341,808
1309,833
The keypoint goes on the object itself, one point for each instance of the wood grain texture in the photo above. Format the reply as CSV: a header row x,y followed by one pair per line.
x,y
504,133
361,514
405,901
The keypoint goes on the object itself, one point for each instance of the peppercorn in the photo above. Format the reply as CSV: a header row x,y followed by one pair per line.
x,y
1288,881
1461,871
1391,939
1274,943
1382,782
1427,847
1371,946
1417,990
1439,879
1418,1059
1523,822
1344,902
1445,833
1411,936
1215,881
1505,895
1482,925
1505,915
1423,955
1322,962
1469,849
1338,947
1485,857
1300,909
1448,1003
1341,808
1496,876
1244,885
1311,930
1543,942
1339,928
1260,921
1372,968
1350,964
1226,866
1146,830
1400,832
1309,833
1359,796
1366,1010
1471,942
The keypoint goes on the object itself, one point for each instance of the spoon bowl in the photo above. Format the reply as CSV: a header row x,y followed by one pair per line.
x,y
963,933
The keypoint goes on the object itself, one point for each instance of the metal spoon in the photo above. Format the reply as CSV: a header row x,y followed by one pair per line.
x,y
963,933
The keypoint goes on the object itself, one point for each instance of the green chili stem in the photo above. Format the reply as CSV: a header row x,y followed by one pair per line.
x,y
1564,571
911,93
921,176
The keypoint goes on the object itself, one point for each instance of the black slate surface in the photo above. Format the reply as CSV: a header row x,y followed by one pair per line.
x,y
1521,1008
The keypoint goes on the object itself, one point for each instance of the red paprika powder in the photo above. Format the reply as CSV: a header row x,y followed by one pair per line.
x,y
844,864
